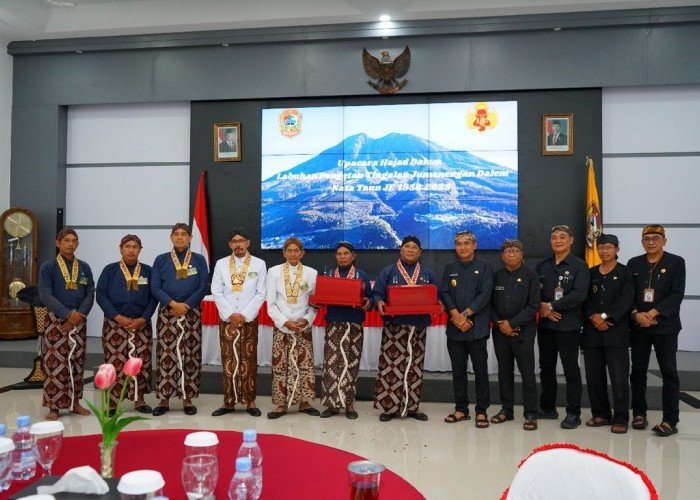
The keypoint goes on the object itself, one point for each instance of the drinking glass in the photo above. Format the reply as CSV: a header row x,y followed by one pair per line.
x,y
47,438
199,476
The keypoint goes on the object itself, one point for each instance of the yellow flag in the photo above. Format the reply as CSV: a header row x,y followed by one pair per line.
x,y
594,219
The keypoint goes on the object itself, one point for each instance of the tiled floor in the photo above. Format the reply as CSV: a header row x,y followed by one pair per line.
x,y
443,461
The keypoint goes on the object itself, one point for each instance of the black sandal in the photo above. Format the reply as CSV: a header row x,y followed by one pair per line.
x,y
452,418
619,428
665,429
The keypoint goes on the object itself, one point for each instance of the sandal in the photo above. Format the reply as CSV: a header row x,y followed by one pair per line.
x,y
530,425
640,422
501,417
597,422
665,429
619,428
481,421
452,418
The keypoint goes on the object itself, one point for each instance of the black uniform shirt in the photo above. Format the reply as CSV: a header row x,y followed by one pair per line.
x,y
572,275
612,294
467,285
516,297
668,282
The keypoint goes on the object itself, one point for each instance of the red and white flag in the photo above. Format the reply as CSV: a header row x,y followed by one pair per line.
x,y
200,222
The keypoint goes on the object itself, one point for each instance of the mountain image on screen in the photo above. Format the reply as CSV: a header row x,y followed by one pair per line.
x,y
372,192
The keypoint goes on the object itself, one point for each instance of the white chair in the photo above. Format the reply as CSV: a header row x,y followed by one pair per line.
x,y
568,472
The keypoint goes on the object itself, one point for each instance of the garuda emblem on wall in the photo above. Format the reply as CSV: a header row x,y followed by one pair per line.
x,y
387,71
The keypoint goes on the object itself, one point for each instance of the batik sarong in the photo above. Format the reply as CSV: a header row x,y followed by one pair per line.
x,y
400,372
119,345
293,379
63,355
178,354
239,357
341,363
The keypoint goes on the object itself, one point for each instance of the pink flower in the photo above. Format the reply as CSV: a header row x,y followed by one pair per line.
x,y
105,376
132,367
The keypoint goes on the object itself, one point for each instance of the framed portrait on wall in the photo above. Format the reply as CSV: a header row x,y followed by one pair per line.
x,y
227,141
558,134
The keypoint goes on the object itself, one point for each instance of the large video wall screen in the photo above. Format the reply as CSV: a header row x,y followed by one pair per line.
x,y
374,174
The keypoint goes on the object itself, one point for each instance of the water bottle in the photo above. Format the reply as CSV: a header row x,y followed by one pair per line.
x,y
242,485
3,428
6,448
23,460
250,449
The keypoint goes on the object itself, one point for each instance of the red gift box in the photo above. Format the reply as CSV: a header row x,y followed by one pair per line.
x,y
412,299
331,291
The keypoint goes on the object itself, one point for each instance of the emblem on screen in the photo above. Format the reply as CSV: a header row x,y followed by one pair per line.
x,y
387,71
290,122
482,117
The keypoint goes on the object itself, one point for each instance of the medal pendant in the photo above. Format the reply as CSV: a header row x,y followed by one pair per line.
x,y
181,274
71,285
237,287
132,285
291,300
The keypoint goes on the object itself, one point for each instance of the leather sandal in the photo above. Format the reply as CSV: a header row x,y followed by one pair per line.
x,y
665,429
530,425
481,421
501,417
619,428
452,418
597,422
640,422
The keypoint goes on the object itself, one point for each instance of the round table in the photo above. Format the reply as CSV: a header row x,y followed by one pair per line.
x,y
292,468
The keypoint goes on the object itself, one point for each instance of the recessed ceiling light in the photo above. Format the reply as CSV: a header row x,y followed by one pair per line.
x,y
384,18
78,51
557,29
224,44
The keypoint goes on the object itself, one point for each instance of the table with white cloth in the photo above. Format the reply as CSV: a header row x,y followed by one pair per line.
x,y
437,358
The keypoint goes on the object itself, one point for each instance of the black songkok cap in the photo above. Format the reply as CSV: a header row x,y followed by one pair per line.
x,y
604,239
239,231
409,239
345,244
183,226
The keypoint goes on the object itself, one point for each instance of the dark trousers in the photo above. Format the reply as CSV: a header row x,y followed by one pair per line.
x,y
565,344
665,346
617,362
523,353
460,351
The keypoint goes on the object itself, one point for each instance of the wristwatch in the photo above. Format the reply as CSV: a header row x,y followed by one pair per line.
x,y
604,316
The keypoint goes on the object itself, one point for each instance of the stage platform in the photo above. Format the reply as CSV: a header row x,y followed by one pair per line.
x,y
437,386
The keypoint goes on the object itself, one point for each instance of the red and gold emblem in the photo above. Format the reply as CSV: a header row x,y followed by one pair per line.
x,y
290,122
482,117
595,224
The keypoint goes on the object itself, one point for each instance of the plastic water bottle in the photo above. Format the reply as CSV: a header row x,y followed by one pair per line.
x,y
251,449
6,448
242,485
23,460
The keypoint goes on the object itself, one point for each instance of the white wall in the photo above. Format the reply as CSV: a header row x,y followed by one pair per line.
x,y
128,172
5,123
651,168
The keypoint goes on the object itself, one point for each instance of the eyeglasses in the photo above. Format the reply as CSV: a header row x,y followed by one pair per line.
x,y
649,239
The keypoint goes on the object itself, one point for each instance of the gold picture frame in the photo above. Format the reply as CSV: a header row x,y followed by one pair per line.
x,y
227,141
558,134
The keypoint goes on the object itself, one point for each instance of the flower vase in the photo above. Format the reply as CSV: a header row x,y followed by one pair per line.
x,y
108,459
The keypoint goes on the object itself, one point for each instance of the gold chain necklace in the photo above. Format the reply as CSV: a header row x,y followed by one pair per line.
x,y
291,290
238,277
72,278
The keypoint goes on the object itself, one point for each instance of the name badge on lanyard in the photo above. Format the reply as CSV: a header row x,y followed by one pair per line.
x,y
558,293
648,295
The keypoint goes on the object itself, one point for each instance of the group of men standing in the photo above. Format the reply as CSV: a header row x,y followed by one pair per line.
x,y
605,310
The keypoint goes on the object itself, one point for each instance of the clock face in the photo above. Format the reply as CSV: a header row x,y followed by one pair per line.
x,y
18,225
